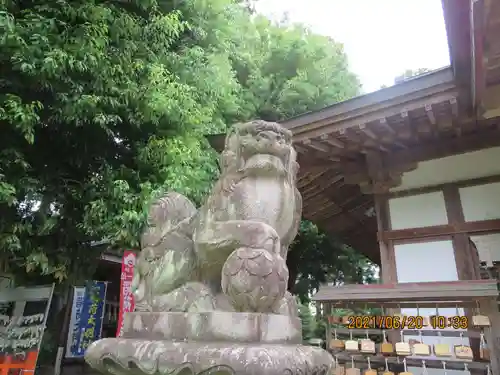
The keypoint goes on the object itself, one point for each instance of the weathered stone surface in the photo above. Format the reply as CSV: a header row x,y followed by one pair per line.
x,y
215,326
236,243
210,284
128,356
254,279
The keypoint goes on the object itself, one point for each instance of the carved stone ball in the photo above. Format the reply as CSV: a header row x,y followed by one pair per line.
x,y
254,280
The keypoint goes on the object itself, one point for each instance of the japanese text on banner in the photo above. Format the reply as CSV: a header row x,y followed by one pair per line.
x,y
126,295
74,324
90,324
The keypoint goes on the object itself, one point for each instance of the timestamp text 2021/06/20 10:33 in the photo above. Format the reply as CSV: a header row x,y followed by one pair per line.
x,y
405,321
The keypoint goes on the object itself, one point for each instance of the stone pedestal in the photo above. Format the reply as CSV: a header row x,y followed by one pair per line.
x,y
209,343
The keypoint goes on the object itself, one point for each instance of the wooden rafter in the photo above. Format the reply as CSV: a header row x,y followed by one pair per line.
x,y
411,90
405,160
478,15
424,118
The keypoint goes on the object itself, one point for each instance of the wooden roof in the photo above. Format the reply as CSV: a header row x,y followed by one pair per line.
x,y
402,293
430,116
339,138
473,29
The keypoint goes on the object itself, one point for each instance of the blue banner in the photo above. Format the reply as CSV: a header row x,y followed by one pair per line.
x,y
91,317
74,324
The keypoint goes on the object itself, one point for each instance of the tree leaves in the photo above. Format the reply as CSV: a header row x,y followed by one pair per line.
x,y
315,258
105,104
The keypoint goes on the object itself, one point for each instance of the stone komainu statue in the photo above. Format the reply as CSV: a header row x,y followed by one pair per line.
x,y
213,281
229,255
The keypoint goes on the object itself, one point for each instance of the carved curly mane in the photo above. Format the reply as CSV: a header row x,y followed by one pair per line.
x,y
231,158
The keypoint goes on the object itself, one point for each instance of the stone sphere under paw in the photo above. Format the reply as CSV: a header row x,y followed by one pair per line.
x,y
254,280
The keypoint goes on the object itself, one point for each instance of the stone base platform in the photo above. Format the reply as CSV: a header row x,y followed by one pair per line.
x,y
213,326
212,343
118,356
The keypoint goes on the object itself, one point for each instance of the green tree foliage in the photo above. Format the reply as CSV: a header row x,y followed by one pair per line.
x,y
308,322
316,258
104,104
291,72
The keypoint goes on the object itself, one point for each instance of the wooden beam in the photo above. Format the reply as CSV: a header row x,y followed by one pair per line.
x,y
369,133
457,20
308,161
424,86
478,85
310,184
356,172
318,146
424,291
328,126
440,187
111,258
483,226
466,258
415,332
454,107
313,158
384,124
430,114
460,241
331,205
314,174
440,149
387,253
490,309
321,187
410,133
327,138
491,102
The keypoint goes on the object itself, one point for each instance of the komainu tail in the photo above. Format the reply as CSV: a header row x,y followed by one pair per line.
x,y
167,259
164,214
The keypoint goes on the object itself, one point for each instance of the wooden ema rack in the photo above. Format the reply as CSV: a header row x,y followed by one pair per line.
x,y
473,296
9,366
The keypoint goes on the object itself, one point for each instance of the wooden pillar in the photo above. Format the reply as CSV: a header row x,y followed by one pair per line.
x,y
466,258
466,261
378,179
490,308
387,253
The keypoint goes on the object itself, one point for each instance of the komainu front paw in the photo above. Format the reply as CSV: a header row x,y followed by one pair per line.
x,y
191,297
254,280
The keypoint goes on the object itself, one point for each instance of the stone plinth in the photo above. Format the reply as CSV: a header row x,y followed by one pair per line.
x,y
213,326
208,343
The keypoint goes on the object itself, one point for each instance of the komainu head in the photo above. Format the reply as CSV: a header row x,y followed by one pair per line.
x,y
260,147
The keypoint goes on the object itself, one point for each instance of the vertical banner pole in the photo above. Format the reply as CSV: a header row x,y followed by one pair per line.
x,y
126,297
88,328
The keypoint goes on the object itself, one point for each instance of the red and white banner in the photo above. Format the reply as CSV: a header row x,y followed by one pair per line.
x,y
126,297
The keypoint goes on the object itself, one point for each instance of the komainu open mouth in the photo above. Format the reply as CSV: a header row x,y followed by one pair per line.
x,y
265,163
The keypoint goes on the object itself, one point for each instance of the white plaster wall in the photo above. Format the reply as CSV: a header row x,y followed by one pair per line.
x,y
417,211
435,261
453,168
428,261
488,247
481,202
